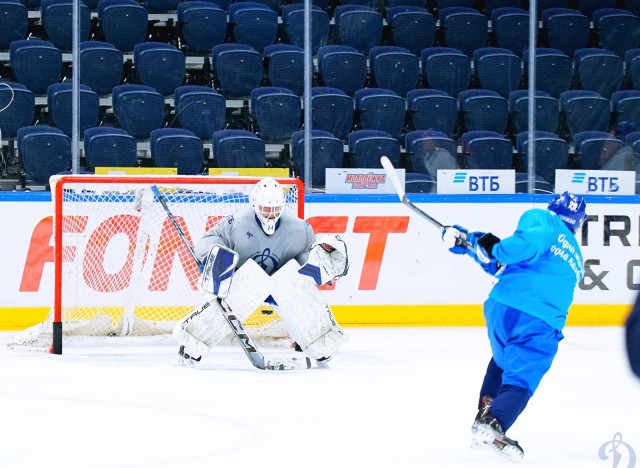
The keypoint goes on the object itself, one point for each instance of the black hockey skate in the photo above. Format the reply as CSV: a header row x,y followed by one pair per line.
x,y
186,360
488,432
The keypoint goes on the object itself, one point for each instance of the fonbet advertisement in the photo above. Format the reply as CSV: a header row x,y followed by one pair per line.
x,y
400,273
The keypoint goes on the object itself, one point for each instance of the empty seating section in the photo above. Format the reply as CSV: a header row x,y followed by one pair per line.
x,y
220,83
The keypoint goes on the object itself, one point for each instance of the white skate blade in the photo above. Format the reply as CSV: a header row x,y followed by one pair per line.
x,y
487,438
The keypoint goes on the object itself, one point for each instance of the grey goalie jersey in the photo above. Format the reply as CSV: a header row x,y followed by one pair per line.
x,y
242,232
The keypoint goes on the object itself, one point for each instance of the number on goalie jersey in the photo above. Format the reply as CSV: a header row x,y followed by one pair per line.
x,y
271,237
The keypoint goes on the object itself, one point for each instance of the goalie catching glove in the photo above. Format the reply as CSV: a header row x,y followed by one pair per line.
x,y
454,238
218,270
328,260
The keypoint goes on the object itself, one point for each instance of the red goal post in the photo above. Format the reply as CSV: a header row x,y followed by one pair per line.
x,y
120,267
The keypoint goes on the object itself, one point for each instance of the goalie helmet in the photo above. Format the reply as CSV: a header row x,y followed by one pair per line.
x,y
267,201
570,208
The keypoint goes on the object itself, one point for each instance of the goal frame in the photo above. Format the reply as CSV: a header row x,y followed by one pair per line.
x,y
56,347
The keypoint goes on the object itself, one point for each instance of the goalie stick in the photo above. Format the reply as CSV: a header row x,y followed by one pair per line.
x,y
397,185
246,343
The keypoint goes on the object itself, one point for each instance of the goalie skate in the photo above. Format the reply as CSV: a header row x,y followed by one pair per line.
x,y
487,432
184,360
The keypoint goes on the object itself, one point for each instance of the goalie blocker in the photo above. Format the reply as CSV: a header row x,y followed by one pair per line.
x,y
306,314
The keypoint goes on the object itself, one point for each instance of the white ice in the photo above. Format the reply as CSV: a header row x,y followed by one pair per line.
x,y
393,397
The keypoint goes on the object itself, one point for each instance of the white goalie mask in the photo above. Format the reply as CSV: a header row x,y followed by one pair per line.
x,y
267,201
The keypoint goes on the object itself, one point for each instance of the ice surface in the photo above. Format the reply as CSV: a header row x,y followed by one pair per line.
x,y
393,397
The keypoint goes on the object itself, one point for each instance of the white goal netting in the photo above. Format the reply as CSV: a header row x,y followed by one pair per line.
x,y
121,268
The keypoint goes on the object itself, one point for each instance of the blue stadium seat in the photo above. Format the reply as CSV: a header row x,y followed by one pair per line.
x,y
547,111
618,30
446,69
540,185
415,182
161,6
632,67
200,109
482,109
419,143
238,69
203,24
277,113
26,56
394,68
44,151
109,147
293,22
14,22
588,7
584,110
367,146
491,5
432,109
599,70
56,19
59,102
633,139
412,27
625,106
358,26
123,23
551,153
138,109
177,147
440,4
18,108
285,66
546,4
511,28
331,111
238,148
342,67
465,29
101,66
327,151
487,150
253,24
554,70
594,148
497,69
565,29
159,65
380,109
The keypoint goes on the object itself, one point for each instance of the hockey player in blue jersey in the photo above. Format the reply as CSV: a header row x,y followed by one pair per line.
x,y
632,331
538,269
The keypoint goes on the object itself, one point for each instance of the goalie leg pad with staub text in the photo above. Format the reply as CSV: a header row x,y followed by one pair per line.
x,y
205,325
306,314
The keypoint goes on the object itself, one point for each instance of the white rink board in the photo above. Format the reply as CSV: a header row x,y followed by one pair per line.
x,y
396,257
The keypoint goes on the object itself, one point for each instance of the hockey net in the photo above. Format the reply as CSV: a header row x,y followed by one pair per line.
x,y
120,267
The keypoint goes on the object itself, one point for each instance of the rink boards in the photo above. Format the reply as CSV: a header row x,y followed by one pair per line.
x,y
400,273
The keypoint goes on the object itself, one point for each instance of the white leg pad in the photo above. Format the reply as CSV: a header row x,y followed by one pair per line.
x,y
201,328
204,326
306,314
249,289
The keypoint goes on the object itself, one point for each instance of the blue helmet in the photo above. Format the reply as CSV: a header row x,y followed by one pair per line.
x,y
570,208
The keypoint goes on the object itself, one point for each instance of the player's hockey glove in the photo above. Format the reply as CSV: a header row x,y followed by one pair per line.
x,y
484,253
456,239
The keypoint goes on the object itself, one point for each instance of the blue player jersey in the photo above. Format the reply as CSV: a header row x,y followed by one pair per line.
x,y
544,266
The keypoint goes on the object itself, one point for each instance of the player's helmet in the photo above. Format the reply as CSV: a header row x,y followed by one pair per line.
x,y
570,208
267,200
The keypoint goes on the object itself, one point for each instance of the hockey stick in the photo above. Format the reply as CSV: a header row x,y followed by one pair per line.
x,y
245,341
397,185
